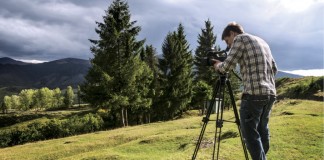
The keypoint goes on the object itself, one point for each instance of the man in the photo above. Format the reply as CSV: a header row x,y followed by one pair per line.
x,y
258,69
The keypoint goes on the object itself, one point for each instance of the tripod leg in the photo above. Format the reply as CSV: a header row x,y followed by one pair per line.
x,y
206,119
237,119
219,120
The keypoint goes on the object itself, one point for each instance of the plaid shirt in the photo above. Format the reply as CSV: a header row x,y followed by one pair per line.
x,y
257,65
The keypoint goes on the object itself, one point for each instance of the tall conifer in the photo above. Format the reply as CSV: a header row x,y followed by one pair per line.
x,y
149,55
203,72
176,66
206,41
118,79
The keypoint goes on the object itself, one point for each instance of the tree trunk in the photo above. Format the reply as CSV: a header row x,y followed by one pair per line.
x,y
204,106
148,118
126,117
122,116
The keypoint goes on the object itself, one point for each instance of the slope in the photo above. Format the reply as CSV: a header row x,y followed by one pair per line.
x,y
296,127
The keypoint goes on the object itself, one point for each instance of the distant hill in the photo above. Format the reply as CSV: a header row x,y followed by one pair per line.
x,y
6,60
59,73
310,88
281,74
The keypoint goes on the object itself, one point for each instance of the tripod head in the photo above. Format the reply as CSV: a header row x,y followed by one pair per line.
x,y
227,73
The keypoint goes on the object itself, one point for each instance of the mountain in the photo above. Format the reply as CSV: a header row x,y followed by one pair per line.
x,y
281,74
59,73
6,60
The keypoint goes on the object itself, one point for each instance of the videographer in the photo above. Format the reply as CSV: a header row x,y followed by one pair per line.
x,y
258,70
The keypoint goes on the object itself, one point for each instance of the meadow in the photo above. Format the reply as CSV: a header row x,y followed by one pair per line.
x,y
296,133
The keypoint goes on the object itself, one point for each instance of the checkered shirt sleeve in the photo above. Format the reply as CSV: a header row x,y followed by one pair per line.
x,y
257,66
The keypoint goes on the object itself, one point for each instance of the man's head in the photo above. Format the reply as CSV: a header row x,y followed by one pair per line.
x,y
230,31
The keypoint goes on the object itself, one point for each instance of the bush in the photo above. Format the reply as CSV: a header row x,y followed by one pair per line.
x,y
88,123
51,129
282,81
5,138
34,132
55,129
305,89
18,136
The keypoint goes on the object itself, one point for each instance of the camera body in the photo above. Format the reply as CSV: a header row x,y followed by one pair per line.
x,y
217,55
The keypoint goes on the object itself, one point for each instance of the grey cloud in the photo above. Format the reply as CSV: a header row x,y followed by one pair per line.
x,y
292,36
297,57
52,29
12,48
42,29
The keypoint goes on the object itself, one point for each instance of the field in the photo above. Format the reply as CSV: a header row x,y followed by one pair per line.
x,y
296,133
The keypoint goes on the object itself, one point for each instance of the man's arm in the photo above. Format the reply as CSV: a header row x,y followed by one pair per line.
x,y
274,67
232,58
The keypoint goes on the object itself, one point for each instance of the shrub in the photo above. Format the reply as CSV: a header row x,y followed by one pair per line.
x,y
88,123
53,128
5,138
281,81
305,89
34,132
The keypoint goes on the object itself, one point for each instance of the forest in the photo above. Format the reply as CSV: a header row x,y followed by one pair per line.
x,y
129,80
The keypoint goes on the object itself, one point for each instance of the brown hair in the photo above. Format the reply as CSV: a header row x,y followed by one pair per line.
x,y
233,26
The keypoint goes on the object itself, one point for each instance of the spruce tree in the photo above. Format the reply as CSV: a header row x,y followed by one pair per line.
x,y
149,56
206,41
203,72
177,77
117,78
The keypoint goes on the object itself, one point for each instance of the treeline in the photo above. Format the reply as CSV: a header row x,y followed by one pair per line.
x,y
133,85
130,82
50,128
39,99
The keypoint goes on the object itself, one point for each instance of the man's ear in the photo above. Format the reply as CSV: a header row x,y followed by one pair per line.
x,y
232,33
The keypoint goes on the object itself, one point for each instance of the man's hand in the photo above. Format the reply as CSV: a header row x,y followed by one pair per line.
x,y
216,62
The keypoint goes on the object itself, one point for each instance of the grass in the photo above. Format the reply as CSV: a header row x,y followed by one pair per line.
x,y
296,133
301,88
23,118
297,130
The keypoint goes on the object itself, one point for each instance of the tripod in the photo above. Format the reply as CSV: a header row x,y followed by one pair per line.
x,y
219,93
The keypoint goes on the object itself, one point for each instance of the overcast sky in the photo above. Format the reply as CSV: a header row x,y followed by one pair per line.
x,y
47,30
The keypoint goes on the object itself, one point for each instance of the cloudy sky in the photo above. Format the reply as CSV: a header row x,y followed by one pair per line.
x,y
45,30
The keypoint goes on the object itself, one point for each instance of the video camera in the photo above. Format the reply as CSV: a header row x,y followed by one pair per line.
x,y
218,55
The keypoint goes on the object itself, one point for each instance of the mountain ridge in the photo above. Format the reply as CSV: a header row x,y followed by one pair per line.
x,y
7,60
282,74
57,73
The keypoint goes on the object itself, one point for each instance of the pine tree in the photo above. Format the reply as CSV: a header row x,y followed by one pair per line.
x,y
149,56
113,81
206,41
177,77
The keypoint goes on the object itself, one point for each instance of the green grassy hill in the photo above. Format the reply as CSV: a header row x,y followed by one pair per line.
x,y
296,126
301,88
296,133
